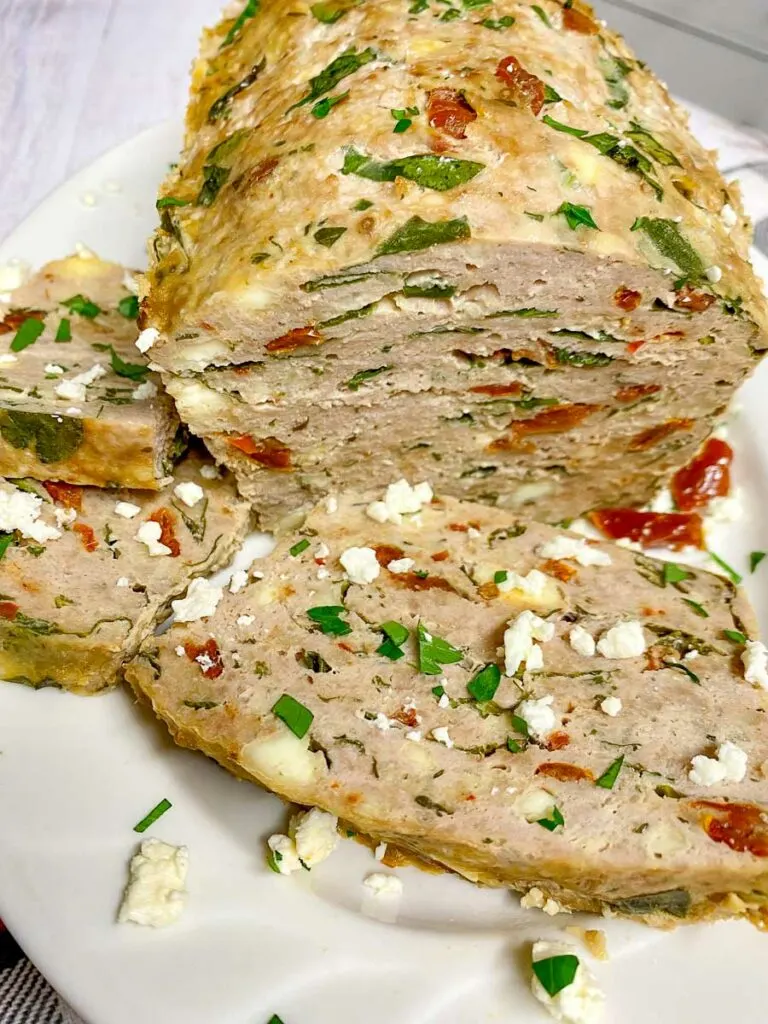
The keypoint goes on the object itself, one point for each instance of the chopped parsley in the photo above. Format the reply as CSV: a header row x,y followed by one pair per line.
x,y
221,106
615,70
426,169
577,216
328,236
80,304
541,14
218,166
417,234
580,133
27,334
730,572
700,610
328,619
434,652
133,371
514,746
551,95
571,358
250,10
403,117
652,146
157,811
683,668
608,779
485,684
362,204
362,376
527,313
438,691
6,539
497,24
667,239
63,331
298,547
615,149
733,634
344,65
520,725
755,558
165,201
274,1019
129,307
556,972
553,822
672,573
295,715
435,289
500,576
329,13
324,106
395,635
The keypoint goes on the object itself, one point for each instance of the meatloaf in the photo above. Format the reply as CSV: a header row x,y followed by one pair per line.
x,y
474,241
86,574
77,400
499,697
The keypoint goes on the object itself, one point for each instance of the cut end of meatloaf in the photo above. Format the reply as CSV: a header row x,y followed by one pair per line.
x,y
77,399
87,573
496,696
536,290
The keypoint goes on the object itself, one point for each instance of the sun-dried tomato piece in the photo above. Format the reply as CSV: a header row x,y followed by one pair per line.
x,y
8,610
14,318
207,652
386,553
564,772
412,581
742,827
654,435
167,521
550,421
693,300
707,476
269,451
440,556
449,111
634,392
558,740
634,346
576,20
257,174
68,495
87,536
513,389
526,89
299,337
651,529
407,717
627,299
560,570
464,527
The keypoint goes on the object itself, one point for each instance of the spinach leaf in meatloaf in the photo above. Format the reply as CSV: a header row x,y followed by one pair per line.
x,y
363,376
223,103
676,902
615,70
652,146
669,241
418,234
440,173
51,438
347,63
337,280
218,166
330,13
250,10
569,358
350,314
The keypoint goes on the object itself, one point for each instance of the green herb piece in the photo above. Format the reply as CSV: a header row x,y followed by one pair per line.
x,y
472,5
314,662
250,10
129,307
417,234
736,635
329,13
615,70
418,6
324,106
514,746
599,336
500,576
218,166
528,313
700,610
80,304
350,314
335,281
451,14
428,170
273,861
295,715
608,779
560,127
403,118
554,822
61,601
485,684
672,573
259,257
542,14
683,668
214,179
520,725
534,216
730,572
298,547
551,95
274,1019
328,619
438,691
556,972
395,636
133,371
577,216
165,201
27,334
676,902
627,156
363,376
666,237
50,438
361,204
755,558
434,652
157,811
222,104
570,358
328,236
6,539
652,146
430,290
497,24
63,331
431,805
344,65
201,705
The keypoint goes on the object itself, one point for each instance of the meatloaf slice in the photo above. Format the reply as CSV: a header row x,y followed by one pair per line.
x,y
500,697
86,574
77,400
403,210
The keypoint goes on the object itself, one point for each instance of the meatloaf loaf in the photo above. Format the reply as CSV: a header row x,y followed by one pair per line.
x,y
474,241
86,574
77,400
503,698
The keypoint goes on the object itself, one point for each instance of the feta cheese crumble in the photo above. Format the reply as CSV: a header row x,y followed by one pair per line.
x,y
533,584
127,509
380,852
315,836
361,565
189,492
401,565
575,548
64,516
20,510
384,885
538,716
147,339
754,658
51,368
209,472
73,389
155,894
611,706
149,533
581,1002
730,765
582,642
535,899
237,581
284,855
519,640
201,601
624,640
123,581
400,499
144,391
441,735
245,620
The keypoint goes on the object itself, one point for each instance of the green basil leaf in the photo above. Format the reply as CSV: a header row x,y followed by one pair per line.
x,y
652,146
608,779
528,313
497,24
730,572
363,376
485,684
673,573
250,10
755,558
700,610
615,70
434,652
297,717
52,439
550,824
577,216
27,334
165,201
63,331
417,234
84,307
736,635
567,357
429,170
344,65
324,106
667,239
329,13
223,103
129,307
328,236
560,127
328,618
542,14
133,371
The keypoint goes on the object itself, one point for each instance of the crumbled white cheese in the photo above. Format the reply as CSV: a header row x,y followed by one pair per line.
x,y
382,722
123,581
315,836
691,655
535,899
535,804
322,551
611,706
361,565
414,735
662,502
189,492
209,472
245,620
331,504
754,658
180,651
400,499
730,765
201,601
284,855
384,885
729,216
380,852
401,565
205,661
576,548
519,639
73,389
238,580
147,339
51,368
445,701
7,358
323,573
144,391
441,735
728,509
582,641
624,640
149,533
714,274
155,894
581,1002
127,509
533,584
535,660
20,510
538,716
64,516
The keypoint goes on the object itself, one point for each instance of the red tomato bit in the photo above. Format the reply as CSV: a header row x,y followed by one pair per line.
x,y
742,827
210,651
167,521
87,536
8,610
527,89
651,529
13,320
299,337
449,111
694,301
564,772
707,476
269,452
514,389
68,495
654,435
634,392
626,299
579,21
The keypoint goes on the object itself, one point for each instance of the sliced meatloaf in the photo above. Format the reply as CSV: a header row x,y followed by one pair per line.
x,y
86,574
471,241
500,697
77,399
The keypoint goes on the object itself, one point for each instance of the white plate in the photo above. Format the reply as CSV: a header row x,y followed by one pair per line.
x,y
76,775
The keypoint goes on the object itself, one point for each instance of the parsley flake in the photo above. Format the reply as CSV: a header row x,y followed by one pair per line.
x,y
497,24
298,547
500,576
520,725
672,573
736,635
328,236
608,779
129,307
730,572
541,14
27,334
514,746
347,63
133,371
484,685
63,331
323,107
434,652
157,811
165,201
395,635
80,304
700,610
328,619
403,118
295,715
553,822
556,972
577,216
755,558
